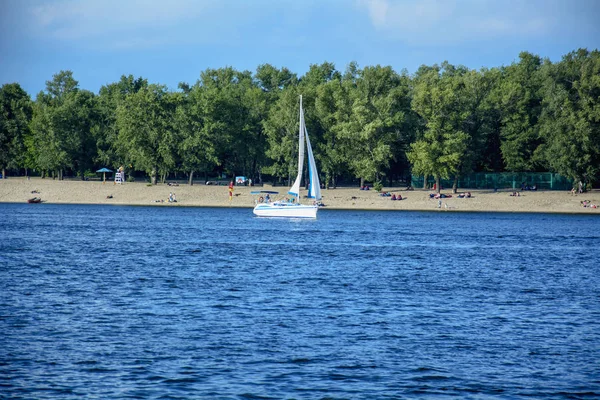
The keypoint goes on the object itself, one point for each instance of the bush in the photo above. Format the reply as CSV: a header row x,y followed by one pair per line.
x,y
378,186
130,179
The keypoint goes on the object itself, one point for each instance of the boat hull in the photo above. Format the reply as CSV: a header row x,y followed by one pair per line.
x,y
285,210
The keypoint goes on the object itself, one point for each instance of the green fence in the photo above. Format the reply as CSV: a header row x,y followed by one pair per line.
x,y
502,180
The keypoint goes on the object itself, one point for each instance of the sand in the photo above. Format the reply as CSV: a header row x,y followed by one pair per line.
x,y
19,189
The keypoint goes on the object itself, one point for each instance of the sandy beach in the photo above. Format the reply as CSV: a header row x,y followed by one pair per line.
x,y
19,189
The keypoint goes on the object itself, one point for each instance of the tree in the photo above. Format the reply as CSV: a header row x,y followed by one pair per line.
x,y
521,104
439,100
570,121
54,126
15,115
376,119
146,129
61,84
44,146
109,153
74,122
332,109
281,128
273,80
196,148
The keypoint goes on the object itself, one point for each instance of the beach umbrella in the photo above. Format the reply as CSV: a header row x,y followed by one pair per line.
x,y
104,171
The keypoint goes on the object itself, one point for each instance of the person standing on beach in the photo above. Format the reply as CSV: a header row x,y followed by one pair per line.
x,y
230,191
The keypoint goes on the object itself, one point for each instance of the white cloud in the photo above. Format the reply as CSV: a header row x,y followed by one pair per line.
x,y
435,22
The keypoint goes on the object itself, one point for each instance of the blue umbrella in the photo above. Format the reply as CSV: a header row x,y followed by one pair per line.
x,y
104,171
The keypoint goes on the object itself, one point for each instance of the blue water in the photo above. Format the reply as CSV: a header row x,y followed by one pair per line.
x,y
171,302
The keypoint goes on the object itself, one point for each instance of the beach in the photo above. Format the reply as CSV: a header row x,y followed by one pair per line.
x,y
20,189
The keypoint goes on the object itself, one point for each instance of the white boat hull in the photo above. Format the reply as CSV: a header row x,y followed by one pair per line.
x,y
285,210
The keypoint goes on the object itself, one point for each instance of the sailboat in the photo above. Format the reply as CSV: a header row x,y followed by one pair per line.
x,y
294,209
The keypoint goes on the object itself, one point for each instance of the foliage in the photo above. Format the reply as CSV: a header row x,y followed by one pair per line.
x,y
15,114
146,129
368,123
570,121
440,97
520,99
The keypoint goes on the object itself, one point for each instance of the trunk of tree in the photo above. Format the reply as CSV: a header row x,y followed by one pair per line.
x,y
437,184
455,184
3,173
362,182
191,180
153,176
43,174
425,181
82,174
253,173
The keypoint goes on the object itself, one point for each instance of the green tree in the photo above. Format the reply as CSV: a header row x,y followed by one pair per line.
x,y
281,128
61,84
145,120
109,152
269,83
74,121
44,145
378,98
227,118
570,121
520,99
15,115
273,80
439,99
196,147
486,120
332,109
56,129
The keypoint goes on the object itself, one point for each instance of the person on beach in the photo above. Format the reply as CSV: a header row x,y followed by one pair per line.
x,y
230,191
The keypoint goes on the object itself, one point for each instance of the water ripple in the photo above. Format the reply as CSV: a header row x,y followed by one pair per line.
x,y
137,302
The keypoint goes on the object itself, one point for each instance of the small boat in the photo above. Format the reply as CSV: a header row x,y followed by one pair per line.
x,y
35,200
294,209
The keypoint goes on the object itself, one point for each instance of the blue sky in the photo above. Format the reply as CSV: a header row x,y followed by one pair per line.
x,y
172,41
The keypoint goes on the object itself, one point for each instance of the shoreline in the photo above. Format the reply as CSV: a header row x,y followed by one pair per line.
x,y
19,189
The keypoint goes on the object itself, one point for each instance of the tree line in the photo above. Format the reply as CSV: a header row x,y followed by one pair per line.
x,y
366,124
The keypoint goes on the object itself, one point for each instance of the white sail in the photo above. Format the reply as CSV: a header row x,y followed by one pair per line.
x,y
295,189
314,186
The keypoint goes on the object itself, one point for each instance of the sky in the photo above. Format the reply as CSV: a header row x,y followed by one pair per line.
x,y
172,41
